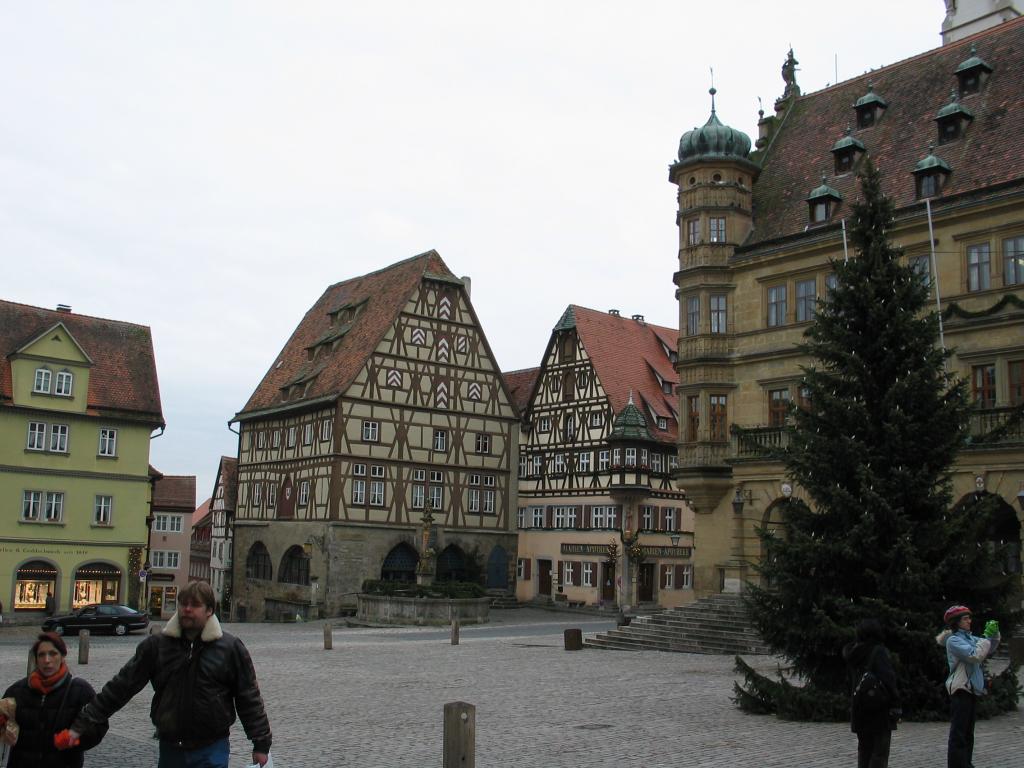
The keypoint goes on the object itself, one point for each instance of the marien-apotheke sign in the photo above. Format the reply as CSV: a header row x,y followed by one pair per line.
x,y
602,550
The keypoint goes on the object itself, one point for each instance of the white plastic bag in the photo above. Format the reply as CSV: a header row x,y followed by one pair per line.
x,y
270,762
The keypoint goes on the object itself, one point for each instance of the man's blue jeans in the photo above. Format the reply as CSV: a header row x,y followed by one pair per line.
x,y
214,755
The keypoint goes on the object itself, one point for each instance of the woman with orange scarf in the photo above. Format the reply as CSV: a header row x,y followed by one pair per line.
x,y
47,702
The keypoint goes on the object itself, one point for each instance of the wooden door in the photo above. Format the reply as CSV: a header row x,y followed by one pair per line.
x,y
645,587
608,582
544,575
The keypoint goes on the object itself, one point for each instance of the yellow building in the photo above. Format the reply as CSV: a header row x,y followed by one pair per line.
x,y
757,233
78,401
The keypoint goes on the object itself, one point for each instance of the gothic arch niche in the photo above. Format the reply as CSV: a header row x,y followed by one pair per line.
x,y
257,563
400,564
294,567
497,568
773,523
1003,527
451,564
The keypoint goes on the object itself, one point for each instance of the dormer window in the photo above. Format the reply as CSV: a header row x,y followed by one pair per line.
x,y
952,120
930,175
822,202
845,151
869,108
63,383
42,380
973,73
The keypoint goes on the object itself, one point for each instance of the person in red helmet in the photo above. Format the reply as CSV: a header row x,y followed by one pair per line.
x,y
965,654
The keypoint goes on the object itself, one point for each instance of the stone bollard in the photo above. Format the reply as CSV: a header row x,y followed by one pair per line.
x,y
459,735
574,639
83,647
328,637
455,631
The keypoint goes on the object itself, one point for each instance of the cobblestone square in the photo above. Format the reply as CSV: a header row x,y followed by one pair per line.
x,y
376,700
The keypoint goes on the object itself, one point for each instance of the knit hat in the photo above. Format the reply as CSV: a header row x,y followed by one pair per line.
x,y
954,613
51,637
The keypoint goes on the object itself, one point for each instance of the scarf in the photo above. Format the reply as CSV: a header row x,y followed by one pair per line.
x,y
44,685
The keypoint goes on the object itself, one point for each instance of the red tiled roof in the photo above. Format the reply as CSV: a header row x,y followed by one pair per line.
x,y
123,375
520,386
177,491
384,292
991,151
628,356
229,477
202,515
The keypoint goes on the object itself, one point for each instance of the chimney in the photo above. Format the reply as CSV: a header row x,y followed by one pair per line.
x,y
468,282
64,308
639,319
613,312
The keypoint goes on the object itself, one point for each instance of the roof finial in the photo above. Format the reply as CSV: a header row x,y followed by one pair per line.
x,y
630,398
712,90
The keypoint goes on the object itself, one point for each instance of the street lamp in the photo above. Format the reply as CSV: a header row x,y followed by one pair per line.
x,y
740,498
674,538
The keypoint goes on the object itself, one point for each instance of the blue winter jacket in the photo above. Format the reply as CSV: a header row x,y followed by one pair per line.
x,y
962,646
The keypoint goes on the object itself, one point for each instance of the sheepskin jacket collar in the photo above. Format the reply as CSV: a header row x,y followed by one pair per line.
x,y
211,631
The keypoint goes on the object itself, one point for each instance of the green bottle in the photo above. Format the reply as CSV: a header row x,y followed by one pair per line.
x,y
991,628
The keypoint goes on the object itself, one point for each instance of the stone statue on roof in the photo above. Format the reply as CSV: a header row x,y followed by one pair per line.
x,y
789,76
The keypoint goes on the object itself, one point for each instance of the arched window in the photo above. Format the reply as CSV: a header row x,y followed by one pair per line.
x,y
294,567
257,563
400,564
36,579
451,564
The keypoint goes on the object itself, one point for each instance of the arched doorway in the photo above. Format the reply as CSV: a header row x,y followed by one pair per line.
x,y
96,583
497,568
400,564
773,523
451,564
35,580
1002,527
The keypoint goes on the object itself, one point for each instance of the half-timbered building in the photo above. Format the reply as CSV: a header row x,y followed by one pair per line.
x,y
599,519
222,512
380,444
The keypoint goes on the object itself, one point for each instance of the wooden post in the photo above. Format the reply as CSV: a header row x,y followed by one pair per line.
x,y
328,637
459,735
455,631
83,647
574,639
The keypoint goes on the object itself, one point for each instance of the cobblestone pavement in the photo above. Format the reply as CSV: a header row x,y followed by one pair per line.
x,y
376,701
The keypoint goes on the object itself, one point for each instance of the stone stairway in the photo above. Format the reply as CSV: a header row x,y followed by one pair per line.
x,y
502,599
716,624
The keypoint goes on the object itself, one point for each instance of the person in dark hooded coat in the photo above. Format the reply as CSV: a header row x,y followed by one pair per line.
x,y
873,728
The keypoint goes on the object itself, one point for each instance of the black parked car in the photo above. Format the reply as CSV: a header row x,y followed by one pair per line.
x,y
119,619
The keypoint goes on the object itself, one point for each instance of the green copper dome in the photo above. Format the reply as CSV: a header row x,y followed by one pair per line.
x,y
824,191
954,108
713,141
931,162
974,62
630,425
871,98
848,142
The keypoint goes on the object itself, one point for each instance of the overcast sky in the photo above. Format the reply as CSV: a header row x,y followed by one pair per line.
x,y
208,169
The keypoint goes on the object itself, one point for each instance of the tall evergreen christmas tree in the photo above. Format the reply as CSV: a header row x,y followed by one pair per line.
x,y
871,531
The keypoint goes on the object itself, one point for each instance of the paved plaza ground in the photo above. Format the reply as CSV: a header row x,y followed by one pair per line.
x,y
376,701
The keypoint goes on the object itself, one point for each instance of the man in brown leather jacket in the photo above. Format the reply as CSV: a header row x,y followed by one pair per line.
x,y
201,676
